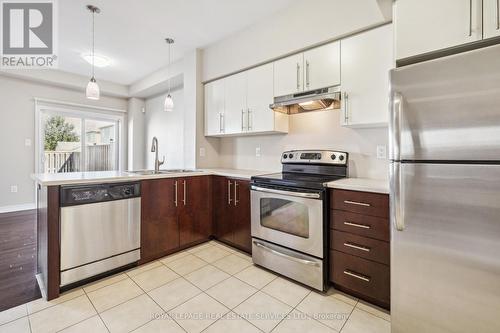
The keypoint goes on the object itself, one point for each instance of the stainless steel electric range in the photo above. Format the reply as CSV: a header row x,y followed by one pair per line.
x,y
289,213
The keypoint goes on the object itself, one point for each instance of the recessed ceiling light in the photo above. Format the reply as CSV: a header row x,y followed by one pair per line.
x,y
99,61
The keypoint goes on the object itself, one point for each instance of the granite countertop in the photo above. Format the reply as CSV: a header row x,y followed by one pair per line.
x,y
361,184
47,179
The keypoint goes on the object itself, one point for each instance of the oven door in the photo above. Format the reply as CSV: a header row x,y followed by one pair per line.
x,y
291,218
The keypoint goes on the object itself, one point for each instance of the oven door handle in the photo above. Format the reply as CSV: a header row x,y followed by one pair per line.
x,y
289,193
289,257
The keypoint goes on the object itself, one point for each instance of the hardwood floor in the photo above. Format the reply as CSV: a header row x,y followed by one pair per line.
x,y
17,259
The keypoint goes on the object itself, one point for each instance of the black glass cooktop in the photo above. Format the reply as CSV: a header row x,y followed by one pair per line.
x,y
296,179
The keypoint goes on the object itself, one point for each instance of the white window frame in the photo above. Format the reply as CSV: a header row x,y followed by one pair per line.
x,y
84,112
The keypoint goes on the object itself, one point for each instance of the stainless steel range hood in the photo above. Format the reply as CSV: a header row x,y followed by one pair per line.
x,y
319,99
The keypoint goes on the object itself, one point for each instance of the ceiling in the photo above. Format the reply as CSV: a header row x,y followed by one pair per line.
x,y
131,33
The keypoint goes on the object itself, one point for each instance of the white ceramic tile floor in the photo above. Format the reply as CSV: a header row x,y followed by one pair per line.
x,y
198,292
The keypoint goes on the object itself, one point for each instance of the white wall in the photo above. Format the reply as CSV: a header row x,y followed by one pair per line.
x,y
136,136
302,25
168,127
17,123
313,130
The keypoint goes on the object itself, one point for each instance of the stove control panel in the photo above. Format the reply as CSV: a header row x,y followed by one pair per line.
x,y
314,157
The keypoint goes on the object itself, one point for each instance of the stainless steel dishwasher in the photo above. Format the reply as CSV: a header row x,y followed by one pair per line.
x,y
100,229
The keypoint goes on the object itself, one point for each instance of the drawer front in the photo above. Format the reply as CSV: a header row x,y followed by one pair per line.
x,y
363,247
363,225
373,204
360,275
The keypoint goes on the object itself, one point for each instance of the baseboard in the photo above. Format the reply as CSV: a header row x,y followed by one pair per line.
x,y
17,208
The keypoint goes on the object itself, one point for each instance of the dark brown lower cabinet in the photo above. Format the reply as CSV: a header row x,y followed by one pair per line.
x,y
159,214
176,212
231,202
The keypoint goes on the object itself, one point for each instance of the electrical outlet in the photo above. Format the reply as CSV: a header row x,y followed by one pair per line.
x,y
382,152
13,189
27,142
202,152
257,151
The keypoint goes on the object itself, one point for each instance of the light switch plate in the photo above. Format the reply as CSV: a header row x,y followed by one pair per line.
x,y
27,142
13,189
257,151
202,152
382,152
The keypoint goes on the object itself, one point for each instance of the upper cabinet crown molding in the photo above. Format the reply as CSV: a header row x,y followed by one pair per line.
x,y
426,26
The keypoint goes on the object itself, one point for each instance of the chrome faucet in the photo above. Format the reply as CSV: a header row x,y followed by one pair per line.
x,y
154,149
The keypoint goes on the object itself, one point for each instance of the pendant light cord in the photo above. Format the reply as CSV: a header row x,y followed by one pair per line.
x,y
93,43
168,73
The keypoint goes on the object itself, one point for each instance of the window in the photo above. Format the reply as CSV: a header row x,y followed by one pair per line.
x,y
77,140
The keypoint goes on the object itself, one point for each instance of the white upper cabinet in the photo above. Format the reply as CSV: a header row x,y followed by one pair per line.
x,y
491,17
367,59
246,99
322,67
214,108
428,25
235,103
288,75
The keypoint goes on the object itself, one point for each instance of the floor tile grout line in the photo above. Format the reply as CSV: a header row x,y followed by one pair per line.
x,y
10,321
349,316
164,311
52,305
371,313
98,314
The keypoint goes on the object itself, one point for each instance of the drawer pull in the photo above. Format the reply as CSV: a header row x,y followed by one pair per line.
x,y
357,203
357,225
357,275
357,247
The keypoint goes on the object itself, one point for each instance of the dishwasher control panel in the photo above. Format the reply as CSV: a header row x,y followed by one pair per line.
x,y
87,194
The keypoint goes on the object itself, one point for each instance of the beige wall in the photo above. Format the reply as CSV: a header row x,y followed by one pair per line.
x,y
314,130
17,123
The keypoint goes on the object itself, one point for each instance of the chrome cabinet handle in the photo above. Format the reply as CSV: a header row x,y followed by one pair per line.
x,y
184,199
498,14
220,122
298,76
223,123
470,18
289,193
307,73
175,197
346,111
357,225
249,120
236,193
357,247
242,120
289,257
349,202
357,275
229,200
395,125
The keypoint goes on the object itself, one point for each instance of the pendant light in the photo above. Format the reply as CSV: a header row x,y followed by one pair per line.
x,y
168,105
93,91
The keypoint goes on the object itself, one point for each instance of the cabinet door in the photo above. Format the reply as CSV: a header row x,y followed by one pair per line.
x,y
427,25
366,61
195,221
260,117
214,107
159,227
491,17
222,211
241,220
235,119
288,75
322,66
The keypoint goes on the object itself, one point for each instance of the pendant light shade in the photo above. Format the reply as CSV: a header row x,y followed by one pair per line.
x,y
168,105
93,91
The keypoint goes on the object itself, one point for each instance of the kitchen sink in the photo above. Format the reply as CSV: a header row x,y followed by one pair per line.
x,y
153,172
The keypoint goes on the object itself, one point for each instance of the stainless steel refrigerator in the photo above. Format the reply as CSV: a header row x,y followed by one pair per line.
x,y
445,194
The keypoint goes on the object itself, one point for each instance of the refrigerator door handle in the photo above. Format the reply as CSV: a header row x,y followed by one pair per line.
x,y
395,126
395,197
